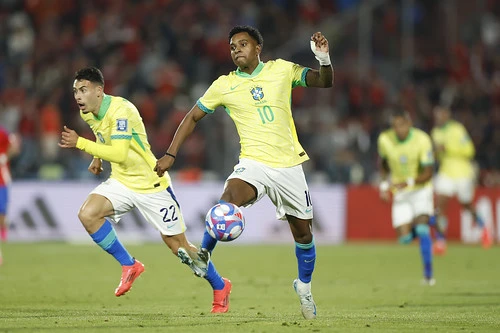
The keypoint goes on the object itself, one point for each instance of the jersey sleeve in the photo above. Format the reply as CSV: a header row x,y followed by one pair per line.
x,y
381,146
212,98
297,73
462,146
426,157
121,134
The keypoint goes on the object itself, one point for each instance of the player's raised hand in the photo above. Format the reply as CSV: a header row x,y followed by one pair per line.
x,y
319,46
319,43
68,138
163,164
95,166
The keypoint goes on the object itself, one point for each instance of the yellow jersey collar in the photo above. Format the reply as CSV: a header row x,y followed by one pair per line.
x,y
255,72
106,101
408,137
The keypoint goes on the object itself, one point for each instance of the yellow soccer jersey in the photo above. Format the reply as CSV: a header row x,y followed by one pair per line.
x,y
260,106
455,160
406,158
122,140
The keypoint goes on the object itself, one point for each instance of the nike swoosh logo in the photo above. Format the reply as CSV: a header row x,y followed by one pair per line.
x,y
308,210
236,86
308,261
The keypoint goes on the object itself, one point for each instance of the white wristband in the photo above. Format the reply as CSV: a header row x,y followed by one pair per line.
x,y
410,182
384,186
322,57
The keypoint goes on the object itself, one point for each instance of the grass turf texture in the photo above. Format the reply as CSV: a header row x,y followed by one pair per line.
x,y
55,287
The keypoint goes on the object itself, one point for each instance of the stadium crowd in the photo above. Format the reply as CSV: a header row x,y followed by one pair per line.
x,y
162,54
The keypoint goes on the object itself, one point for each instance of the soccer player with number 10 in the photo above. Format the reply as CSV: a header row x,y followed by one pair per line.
x,y
257,97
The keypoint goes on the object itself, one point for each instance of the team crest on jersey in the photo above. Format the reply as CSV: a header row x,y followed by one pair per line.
x,y
257,93
100,137
239,170
121,125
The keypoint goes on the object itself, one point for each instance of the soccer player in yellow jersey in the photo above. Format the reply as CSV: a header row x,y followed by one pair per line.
x,y
406,167
257,97
455,152
121,139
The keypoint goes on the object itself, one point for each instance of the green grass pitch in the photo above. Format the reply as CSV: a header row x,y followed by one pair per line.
x,y
56,287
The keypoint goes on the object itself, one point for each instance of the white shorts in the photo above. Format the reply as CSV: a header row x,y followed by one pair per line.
x,y
286,187
407,205
462,188
161,209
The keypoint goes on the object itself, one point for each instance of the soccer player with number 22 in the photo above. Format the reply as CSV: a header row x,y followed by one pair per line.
x,y
257,97
121,139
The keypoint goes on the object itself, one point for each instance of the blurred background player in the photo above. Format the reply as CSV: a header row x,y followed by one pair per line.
x,y
456,177
9,147
257,98
122,140
406,167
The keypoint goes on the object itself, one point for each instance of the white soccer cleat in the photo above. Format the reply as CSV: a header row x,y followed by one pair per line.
x,y
428,282
307,304
198,265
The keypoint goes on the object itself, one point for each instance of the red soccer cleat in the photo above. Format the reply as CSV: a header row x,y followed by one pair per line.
x,y
439,247
221,298
129,274
486,238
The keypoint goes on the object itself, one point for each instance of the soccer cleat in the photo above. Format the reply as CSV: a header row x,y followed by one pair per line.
x,y
486,238
439,247
199,265
129,274
428,282
307,304
221,298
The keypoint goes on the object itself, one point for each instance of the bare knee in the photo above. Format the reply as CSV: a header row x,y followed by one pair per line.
x,y
93,211
90,218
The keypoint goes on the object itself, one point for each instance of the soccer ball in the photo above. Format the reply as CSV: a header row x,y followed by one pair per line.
x,y
225,222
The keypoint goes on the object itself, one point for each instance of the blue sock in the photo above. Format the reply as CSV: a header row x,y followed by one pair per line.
x,y
106,238
208,242
423,234
214,278
306,258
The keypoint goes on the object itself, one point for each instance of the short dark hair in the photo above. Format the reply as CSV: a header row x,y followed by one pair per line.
x,y
92,74
253,32
399,112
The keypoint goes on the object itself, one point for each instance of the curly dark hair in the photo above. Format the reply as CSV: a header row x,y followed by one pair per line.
x,y
253,32
92,74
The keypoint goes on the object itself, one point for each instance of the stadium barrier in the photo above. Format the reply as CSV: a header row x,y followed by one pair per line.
x,y
48,212
368,218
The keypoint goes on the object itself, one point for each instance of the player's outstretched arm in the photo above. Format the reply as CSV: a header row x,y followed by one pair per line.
x,y
185,129
116,152
322,78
